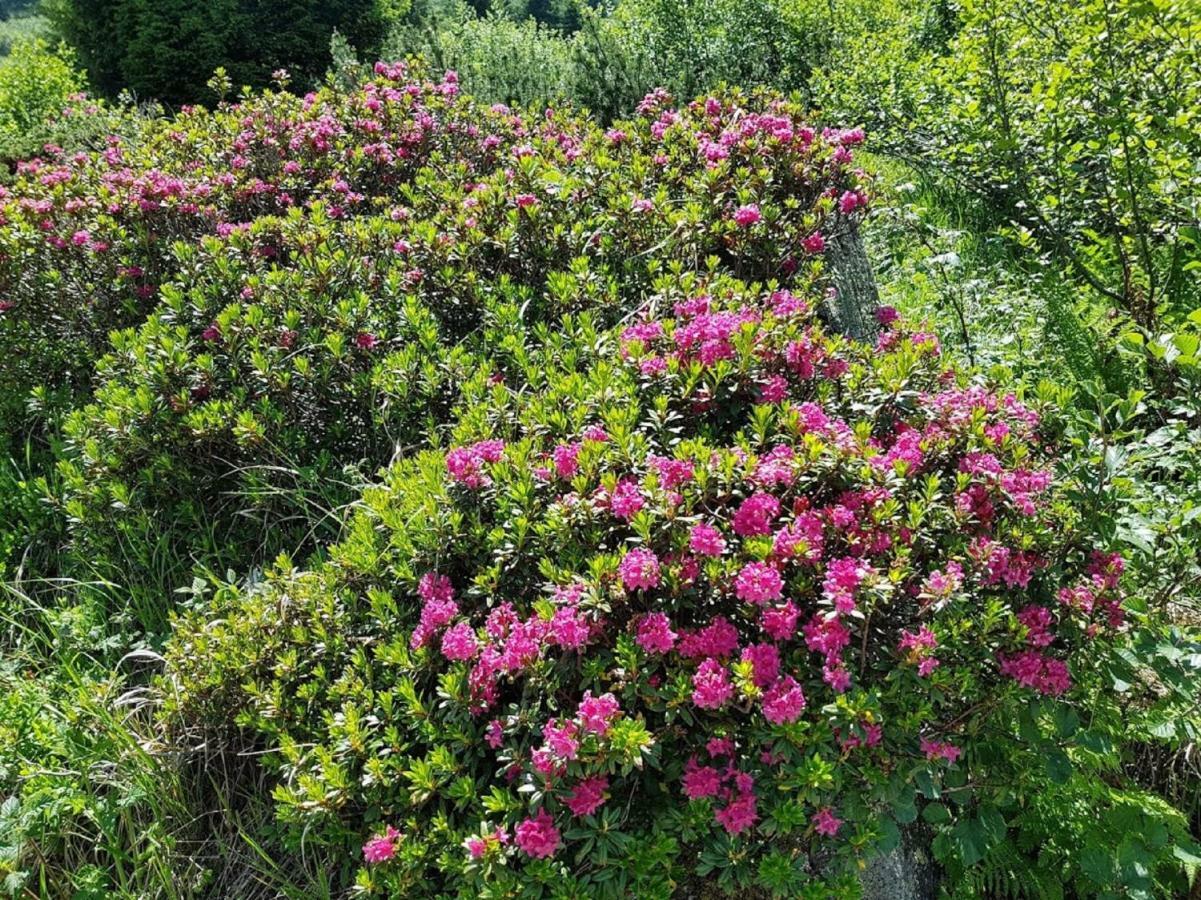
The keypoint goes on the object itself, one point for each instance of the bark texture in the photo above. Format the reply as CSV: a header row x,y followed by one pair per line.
x,y
907,873
854,299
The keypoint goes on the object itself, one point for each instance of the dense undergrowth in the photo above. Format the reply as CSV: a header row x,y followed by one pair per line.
x,y
413,490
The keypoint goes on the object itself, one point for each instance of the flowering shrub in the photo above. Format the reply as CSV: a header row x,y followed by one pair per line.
x,y
714,594
300,268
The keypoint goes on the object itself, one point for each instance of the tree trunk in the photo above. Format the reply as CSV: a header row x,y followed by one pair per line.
x,y
906,873
854,299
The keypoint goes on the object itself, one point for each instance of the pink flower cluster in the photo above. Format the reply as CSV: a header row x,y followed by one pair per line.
x,y
758,583
479,846
919,647
438,609
466,464
783,702
711,685
655,634
588,795
940,750
381,847
639,570
538,837
1031,669
753,579
729,785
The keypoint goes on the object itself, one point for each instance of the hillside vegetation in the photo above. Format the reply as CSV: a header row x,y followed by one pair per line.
x,y
487,472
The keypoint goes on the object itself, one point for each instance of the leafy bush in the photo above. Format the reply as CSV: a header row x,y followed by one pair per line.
x,y
1073,122
19,28
315,257
36,84
616,54
712,595
497,58
694,46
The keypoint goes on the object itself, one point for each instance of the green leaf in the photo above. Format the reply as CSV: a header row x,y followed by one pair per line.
x,y
1188,853
936,813
1059,766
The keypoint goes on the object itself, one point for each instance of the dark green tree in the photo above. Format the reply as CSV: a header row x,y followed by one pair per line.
x,y
167,49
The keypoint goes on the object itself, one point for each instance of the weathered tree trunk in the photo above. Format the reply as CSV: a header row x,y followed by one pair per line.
x,y
908,872
854,298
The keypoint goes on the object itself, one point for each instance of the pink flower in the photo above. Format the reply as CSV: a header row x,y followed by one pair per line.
x,y
538,837
779,623
546,763
783,701
495,734
365,340
434,587
639,570
765,658
565,459
597,713
940,750
655,634
825,822
465,464
746,216
526,201
943,584
561,739
700,781
711,685
672,472
705,540
837,677
1039,622
758,583
851,201
569,628
653,365
459,642
1033,670
719,747
774,390
626,500
477,847
755,514
815,243
212,333
588,796
843,577
381,847
717,639
919,646
438,609
739,814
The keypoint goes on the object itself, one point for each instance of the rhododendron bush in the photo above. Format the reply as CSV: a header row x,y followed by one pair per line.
x,y
299,284
713,593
